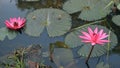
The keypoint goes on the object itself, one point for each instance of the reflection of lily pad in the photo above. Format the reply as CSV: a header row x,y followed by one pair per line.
x,y
73,40
56,21
116,20
102,65
90,9
5,32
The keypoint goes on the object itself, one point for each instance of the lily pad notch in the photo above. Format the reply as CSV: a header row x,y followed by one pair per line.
x,y
57,22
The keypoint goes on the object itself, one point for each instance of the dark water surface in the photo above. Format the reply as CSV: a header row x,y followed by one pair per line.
x,y
12,8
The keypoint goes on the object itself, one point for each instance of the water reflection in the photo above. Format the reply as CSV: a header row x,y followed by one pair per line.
x,y
24,4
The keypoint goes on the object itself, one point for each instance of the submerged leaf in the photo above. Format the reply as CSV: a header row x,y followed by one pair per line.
x,y
62,56
56,21
57,44
60,44
73,40
116,20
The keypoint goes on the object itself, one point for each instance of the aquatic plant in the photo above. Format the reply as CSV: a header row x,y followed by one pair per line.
x,y
15,23
94,37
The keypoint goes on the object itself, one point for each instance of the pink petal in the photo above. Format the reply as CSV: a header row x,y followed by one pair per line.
x,y
103,41
86,34
18,18
11,20
86,41
100,32
103,36
96,30
14,20
84,37
8,25
90,31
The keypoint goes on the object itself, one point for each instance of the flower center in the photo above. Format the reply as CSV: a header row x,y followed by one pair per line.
x,y
94,37
15,24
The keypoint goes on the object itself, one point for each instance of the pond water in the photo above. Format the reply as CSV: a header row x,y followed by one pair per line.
x,y
14,8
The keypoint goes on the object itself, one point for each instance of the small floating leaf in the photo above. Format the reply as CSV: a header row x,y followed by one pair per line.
x,y
73,40
116,20
5,32
56,21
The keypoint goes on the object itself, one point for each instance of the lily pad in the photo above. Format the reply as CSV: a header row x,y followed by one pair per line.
x,y
72,6
5,32
102,65
118,6
56,21
90,9
73,40
116,20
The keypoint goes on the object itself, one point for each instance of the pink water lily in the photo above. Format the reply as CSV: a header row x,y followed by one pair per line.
x,y
15,23
94,37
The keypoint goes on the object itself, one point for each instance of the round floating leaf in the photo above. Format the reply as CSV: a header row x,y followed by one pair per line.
x,y
5,32
116,19
95,12
73,40
102,65
56,21
90,9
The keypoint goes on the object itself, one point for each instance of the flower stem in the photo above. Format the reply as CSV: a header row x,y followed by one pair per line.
x,y
89,55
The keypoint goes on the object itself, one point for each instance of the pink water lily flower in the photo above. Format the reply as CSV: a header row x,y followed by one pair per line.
x,y
94,37
15,23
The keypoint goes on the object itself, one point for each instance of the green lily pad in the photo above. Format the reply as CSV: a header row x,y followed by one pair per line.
x,y
116,20
118,6
72,6
5,32
102,65
90,9
56,21
73,40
